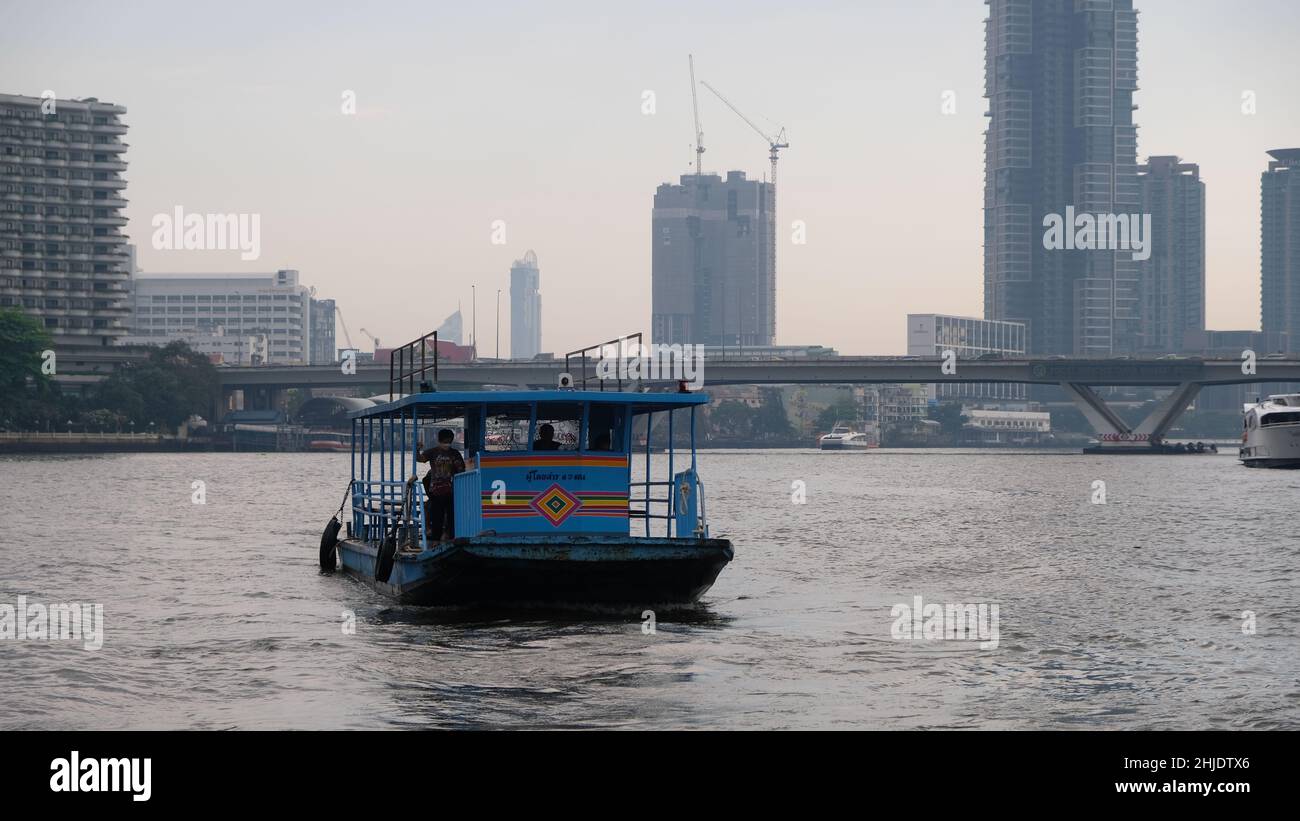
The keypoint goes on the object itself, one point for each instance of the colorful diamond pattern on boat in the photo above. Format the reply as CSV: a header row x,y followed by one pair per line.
x,y
555,504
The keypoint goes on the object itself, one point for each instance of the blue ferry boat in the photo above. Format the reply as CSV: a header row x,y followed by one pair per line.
x,y
565,527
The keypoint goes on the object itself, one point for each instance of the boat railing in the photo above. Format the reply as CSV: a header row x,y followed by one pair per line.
x,y
580,356
701,523
377,503
403,370
651,503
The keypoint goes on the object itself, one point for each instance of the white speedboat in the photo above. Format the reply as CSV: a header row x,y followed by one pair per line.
x,y
1270,435
844,437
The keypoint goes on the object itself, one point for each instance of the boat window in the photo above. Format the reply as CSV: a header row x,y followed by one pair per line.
x,y
605,427
565,419
1288,418
506,427
431,424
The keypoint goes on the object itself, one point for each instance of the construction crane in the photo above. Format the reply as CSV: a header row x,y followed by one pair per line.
x,y
374,340
695,106
339,313
774,144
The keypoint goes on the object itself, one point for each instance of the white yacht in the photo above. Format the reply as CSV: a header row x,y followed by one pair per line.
x,y
1270,435
844,437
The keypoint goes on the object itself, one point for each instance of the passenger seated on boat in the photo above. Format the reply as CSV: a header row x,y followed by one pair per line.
x,y
444,463
546,438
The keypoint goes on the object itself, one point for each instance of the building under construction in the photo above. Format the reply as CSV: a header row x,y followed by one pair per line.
x,y
713,263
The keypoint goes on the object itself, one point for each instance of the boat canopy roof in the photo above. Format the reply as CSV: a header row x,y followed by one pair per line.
x,y
452,403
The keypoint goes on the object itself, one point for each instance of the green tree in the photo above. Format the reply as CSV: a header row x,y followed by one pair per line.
x,y
173,383
103,420
28,398
770,420
950,417
732,419
845,410
22,339
1069,419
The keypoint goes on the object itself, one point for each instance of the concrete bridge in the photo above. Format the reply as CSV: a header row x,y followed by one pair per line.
x,y
1077,377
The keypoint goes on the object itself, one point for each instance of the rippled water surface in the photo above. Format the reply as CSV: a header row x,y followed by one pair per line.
x,y
1122,615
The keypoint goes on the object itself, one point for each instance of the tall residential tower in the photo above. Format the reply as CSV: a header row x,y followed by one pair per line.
x,y
63,255
525,308
1059,76
1279,236
713,266
1173,278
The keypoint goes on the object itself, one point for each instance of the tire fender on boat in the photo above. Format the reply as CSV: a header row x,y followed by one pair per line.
x,y
328,540
384,559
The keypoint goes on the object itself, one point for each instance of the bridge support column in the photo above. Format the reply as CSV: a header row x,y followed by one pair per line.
x,y
1114,433
1094,409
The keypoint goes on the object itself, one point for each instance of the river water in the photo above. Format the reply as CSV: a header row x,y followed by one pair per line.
x,y
1127,614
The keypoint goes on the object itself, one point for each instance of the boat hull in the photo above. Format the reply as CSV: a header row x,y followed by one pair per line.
x,y
1272,447
617,572
844,444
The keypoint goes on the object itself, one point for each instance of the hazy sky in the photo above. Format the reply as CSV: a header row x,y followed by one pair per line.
x,y
531,113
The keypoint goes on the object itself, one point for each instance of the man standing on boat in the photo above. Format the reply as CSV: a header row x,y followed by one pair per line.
x,y
444,463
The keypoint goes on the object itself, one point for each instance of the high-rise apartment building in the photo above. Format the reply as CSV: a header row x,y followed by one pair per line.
x,y
323,350
713,263
1173,277
63,253
525,308
1279,236
1060,77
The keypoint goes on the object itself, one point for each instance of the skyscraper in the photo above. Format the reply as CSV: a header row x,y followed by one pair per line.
x,y
63,256
323,350
713,267
1279,237
525,308
1060,77
451,329
1173,277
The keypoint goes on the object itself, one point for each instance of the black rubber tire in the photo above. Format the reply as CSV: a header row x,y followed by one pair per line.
x,y
384,559
328,541
387,553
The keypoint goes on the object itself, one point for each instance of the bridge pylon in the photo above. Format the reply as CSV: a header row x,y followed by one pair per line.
x,y
1113,433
